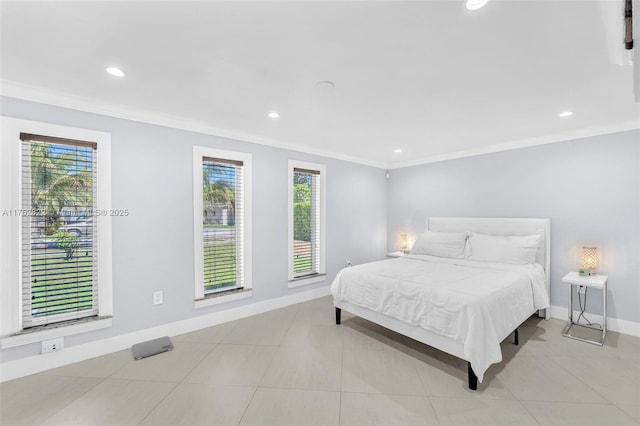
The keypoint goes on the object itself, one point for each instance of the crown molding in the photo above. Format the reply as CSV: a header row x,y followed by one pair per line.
x,y
48,96
523,143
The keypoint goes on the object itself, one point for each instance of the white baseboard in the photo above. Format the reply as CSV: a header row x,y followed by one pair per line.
x,y
613,324
42,362
38,363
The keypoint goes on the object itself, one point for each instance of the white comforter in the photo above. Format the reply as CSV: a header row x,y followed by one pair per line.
x,y
477,304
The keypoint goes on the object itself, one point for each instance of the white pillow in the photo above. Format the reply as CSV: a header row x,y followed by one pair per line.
x,y
441,244
504,249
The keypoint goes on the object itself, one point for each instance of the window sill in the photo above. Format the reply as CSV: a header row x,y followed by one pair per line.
x,y
27,337
217,299
306,281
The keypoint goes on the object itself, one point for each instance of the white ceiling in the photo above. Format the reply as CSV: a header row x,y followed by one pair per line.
x,y
429,77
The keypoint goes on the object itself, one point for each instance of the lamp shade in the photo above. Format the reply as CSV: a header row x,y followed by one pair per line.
x,y
590,258
404,243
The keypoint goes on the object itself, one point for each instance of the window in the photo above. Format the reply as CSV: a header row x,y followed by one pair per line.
x,y
222,225
59,239
56,226
306,222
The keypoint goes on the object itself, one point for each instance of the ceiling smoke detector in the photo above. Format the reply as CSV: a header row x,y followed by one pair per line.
x,y
325,85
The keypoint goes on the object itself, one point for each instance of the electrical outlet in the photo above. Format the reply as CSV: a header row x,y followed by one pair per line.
x,y
349,263
158,297
52,345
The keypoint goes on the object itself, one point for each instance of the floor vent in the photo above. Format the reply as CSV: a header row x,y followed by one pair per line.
x,y
151,347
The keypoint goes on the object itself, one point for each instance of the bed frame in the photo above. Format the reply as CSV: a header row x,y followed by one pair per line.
x,y
492,226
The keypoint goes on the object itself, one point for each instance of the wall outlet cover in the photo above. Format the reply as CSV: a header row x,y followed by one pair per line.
x,y
52,345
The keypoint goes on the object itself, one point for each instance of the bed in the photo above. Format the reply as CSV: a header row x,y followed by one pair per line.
x,y
465,297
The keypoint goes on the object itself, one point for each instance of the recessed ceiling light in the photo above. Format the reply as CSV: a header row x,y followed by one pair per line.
x,y
274,114
397,150
116,72
564,114
476,4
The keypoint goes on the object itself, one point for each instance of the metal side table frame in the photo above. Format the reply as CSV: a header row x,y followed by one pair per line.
x,y
591,281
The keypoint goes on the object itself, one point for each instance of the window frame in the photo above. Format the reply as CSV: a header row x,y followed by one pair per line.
x,y
322,177
200,299
11,321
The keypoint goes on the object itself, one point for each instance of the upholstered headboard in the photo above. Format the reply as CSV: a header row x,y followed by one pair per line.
x,y
503,226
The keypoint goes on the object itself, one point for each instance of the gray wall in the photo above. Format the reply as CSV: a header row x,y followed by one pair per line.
x,y
589,188
153,246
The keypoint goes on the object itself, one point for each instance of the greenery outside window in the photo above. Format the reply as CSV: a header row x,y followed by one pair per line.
x,y
222,224
59,238
55,231
306,222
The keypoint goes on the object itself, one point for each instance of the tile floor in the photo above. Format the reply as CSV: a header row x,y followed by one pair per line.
x,y
294,366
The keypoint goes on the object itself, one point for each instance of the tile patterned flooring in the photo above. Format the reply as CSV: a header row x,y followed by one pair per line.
x,y
294,366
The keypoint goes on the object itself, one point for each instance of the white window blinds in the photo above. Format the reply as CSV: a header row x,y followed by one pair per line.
x,y
306,222
222,224
58,235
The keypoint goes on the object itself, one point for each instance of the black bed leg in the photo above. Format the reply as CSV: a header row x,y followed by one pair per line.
x,y
516,337
338,312
473,379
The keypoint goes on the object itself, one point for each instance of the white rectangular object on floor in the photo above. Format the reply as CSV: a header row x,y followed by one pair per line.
x,y
151,347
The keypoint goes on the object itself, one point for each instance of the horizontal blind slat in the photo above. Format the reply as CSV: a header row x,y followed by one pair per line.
x,y
306,259
222,223
59,270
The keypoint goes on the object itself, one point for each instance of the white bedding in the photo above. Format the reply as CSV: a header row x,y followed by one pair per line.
x,y
474,303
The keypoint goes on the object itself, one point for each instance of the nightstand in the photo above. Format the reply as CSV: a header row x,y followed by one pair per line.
x,y
590,281
396,254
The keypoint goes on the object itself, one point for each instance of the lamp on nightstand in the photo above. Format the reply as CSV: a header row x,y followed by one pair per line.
x,y
589,261
404,243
